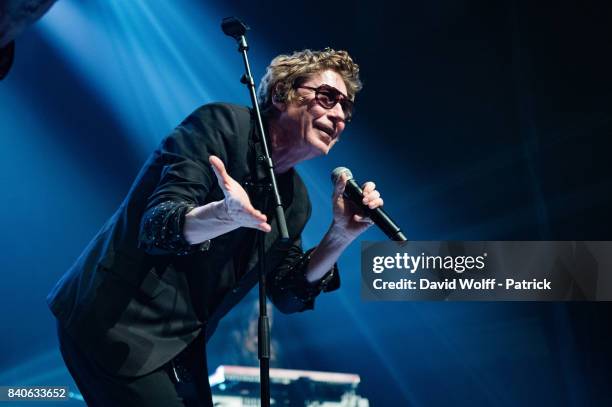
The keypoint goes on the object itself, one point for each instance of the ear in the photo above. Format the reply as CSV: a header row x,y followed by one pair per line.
x,y
278,101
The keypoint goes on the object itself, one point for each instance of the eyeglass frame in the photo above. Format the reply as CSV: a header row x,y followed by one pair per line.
x,y
343,99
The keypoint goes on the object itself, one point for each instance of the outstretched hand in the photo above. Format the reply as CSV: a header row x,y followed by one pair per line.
x,y
238,207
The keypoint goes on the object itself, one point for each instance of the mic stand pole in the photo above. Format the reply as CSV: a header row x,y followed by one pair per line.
x,y
235,28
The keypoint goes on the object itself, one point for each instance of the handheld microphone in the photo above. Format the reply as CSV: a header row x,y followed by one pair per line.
x,y
354,193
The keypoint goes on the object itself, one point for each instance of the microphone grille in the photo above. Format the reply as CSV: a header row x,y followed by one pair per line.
x,y
338,172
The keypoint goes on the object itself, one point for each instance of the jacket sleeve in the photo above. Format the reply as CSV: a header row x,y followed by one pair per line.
x,y
287,285
186,178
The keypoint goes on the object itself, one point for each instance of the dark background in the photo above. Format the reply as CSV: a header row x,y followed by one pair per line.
x,y
479,120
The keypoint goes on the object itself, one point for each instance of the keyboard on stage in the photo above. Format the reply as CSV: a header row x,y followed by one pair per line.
x,y
238,386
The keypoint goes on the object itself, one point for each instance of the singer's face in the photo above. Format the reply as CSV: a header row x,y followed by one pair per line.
x,y
313,128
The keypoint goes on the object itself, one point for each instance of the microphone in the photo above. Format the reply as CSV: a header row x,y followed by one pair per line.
x,y
354,193
233,27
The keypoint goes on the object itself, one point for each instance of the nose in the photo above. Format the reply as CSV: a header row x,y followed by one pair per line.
x,y
336,114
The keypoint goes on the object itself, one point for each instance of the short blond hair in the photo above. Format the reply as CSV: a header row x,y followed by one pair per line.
x,y
286,72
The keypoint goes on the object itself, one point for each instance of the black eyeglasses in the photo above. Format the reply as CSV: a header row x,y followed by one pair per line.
x,y
328,96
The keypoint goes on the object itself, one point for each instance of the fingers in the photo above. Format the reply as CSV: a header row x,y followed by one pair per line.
x,y
252,218
362,219
371,197
264,227
258,224
260,221
368,187
257,215
220,171
340,185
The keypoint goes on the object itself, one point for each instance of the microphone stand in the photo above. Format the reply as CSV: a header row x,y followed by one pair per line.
x,y
235,28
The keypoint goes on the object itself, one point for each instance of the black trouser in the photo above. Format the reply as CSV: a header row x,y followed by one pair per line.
x,y
181,382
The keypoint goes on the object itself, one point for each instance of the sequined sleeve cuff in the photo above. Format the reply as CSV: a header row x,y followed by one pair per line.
x,y
161,230
294,279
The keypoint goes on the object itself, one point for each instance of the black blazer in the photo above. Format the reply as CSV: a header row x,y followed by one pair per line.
x,y
132,306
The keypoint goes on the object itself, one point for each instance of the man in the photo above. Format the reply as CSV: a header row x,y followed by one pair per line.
x,y
138,305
